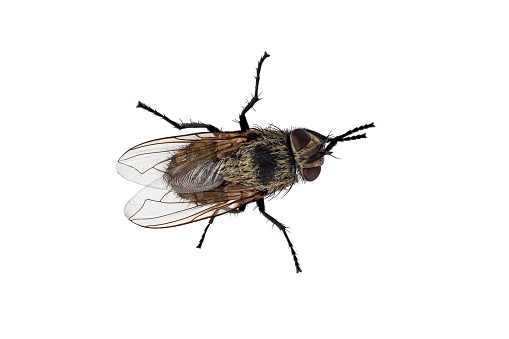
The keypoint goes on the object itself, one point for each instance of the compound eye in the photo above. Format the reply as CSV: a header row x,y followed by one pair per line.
x,y
300,138
312,173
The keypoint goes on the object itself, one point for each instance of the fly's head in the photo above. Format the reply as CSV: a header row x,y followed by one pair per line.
x,y
309,148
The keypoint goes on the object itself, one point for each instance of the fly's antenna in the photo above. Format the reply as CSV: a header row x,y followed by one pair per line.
x,y
348,136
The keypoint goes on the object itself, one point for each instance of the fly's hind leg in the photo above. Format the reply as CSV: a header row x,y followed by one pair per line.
x,y
182,125
261,207
244,126
211,220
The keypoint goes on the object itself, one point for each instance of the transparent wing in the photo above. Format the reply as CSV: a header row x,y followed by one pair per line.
x,y
156,208
147,163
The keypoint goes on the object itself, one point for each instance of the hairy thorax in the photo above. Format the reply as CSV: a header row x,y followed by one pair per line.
x,y
264,163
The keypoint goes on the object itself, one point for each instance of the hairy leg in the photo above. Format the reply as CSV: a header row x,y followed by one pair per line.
x,y
182,125
261,207
211,220
244,126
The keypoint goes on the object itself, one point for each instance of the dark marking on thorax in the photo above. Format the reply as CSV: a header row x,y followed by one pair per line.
x,y
266,164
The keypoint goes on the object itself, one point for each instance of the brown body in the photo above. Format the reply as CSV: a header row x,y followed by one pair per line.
x,y
265,163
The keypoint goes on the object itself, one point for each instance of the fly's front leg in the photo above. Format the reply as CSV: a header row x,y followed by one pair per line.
x,y
261,207
182,125
244,126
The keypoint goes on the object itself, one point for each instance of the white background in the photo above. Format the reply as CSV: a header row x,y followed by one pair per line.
x,y
406,236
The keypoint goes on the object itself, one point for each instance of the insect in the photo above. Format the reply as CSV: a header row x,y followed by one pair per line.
x,y
203,175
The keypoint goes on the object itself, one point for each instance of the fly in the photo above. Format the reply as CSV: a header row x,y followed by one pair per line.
x,y
201,176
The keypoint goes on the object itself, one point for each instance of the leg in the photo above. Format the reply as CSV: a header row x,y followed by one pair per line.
x,y
211,220
261,207
345,136
211,128
244,126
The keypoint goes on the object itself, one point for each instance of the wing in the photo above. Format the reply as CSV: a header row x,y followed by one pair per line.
x,y
156,208
193,176
147,164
